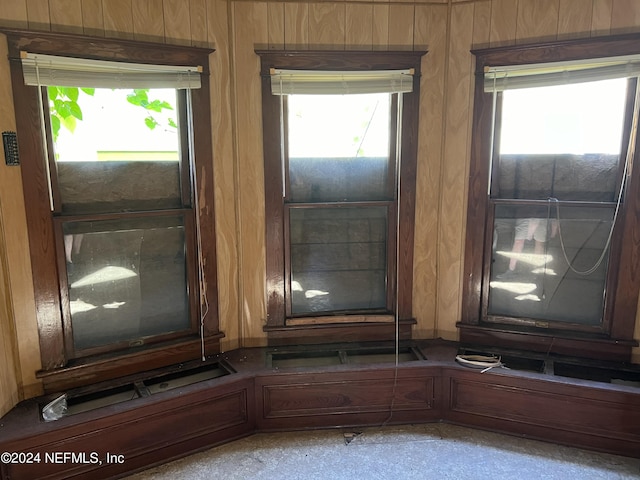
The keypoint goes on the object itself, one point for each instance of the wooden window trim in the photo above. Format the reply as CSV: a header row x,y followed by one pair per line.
x,y
615,340
276,326
57,371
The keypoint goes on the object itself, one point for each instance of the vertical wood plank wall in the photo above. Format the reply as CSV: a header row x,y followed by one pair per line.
x,y
447,28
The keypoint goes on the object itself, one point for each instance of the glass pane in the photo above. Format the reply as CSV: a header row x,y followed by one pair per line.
x,y
115,150
338,147
338,259
127,279
561,141
542,267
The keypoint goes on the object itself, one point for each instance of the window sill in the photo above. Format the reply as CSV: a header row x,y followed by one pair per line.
x,y
109,366
355,330
594,346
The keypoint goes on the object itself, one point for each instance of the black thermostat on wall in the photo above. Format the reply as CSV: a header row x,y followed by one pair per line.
x,y
10,141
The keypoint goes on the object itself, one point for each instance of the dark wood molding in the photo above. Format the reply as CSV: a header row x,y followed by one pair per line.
x,y
274,201
101,48
57,368
39,222
338,332
623,281
106,367
556,342
256,396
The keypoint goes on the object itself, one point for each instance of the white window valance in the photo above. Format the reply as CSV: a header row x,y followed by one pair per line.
x,y
500,78
42,70
318,82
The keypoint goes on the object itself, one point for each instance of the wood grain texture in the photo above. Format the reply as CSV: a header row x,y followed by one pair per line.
x,y
92,18
504,15
431,33
148,20
250,28
118,18
537,20
380,27
359,27
66,16
327,25
15,245
198,21
38,15
225,174
9,372
455,160
601,17
275,11
14,13
177,27
574,18
625,16
296,26
401,27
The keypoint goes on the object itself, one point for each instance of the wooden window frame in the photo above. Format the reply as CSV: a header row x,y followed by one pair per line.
x,y
59,371
614,340
284,329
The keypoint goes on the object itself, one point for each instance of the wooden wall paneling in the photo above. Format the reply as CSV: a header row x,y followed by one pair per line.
x,y
177,27
118,18
454,182
537,20
38,15
625,16
16,247
430,34
359,26
148,20
327,25
401,27
481,25
575,18
66,16
9,395
250,29
601,17
296,26
92,18
503,22
225,175
275,11
13,13
198,22
380,26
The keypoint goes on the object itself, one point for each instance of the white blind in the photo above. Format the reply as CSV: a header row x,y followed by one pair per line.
x,y
317,82
547,74
39,69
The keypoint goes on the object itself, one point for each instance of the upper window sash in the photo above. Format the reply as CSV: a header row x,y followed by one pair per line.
x,y
40,70
500,78
324,82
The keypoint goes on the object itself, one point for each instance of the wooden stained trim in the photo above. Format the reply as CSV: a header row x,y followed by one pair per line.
x,y
614,339
274,203
39,222
60,370
277,273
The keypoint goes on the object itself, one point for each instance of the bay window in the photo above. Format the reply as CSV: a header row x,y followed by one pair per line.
x,y
551,211
339,146
111,137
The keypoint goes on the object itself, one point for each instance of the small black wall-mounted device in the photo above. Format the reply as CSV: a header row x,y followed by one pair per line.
x,y
10,141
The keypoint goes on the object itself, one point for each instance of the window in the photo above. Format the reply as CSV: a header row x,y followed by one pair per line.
x,y
339,145
122,250
550,215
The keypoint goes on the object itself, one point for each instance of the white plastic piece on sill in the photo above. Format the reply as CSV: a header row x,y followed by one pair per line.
x,y
55,409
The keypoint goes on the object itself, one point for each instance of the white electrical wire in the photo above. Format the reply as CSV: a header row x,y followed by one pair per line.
x,y
629,155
